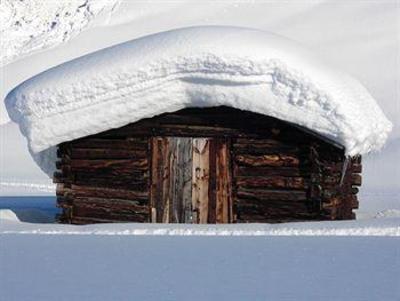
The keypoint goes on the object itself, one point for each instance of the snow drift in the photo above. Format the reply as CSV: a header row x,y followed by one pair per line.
x,y
194,67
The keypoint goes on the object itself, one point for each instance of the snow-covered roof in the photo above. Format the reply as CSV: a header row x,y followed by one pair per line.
x,y
194,67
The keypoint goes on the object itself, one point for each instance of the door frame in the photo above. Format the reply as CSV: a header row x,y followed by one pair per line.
x,y
211,176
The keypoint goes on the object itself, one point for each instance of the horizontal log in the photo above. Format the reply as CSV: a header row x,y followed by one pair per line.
x,y
267,195
121,216
89,191
59,164
356,179
117,182
277,217
199,131
88,220
110,166
265,171
267,160
63,202
263,142
354,202
272,182
59,178
356,168
120,206
356,160
259,150
330,167
104,153
333,202
278,220
83,220
60,189
128,143
262,206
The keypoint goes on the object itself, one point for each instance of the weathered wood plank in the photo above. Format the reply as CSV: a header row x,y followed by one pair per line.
x,y
223,183
214,145
185,175
155,191
160,178
200,179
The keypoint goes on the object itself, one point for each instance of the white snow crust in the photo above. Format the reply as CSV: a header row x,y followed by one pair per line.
x,y
194,67
388,226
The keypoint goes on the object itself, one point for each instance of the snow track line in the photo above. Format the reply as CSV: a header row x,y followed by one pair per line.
x,y
357,231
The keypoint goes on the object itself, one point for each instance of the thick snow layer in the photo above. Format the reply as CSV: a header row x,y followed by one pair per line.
x,y
29,26
194,67
97,268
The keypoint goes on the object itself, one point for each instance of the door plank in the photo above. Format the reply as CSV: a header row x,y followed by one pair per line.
x,y
181,179
212,182
165,182
200,179
157,172
185,168
223,183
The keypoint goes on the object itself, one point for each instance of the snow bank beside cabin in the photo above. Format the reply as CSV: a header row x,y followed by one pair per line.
x,y
194,67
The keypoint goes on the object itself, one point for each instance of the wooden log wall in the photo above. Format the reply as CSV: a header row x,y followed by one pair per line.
x,y
279,172
103,180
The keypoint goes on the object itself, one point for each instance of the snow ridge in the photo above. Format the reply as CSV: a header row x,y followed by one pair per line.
x,y
373,227
28,185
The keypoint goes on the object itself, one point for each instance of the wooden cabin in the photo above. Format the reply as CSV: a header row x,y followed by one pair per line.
x,y
206,165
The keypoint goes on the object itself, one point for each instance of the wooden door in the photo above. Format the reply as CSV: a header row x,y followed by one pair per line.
x,y
190,180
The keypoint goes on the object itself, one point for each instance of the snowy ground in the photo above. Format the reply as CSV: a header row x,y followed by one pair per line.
x,y
109,267
348,260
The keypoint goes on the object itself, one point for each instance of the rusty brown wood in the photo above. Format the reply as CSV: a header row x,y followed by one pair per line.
x,y
223,183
